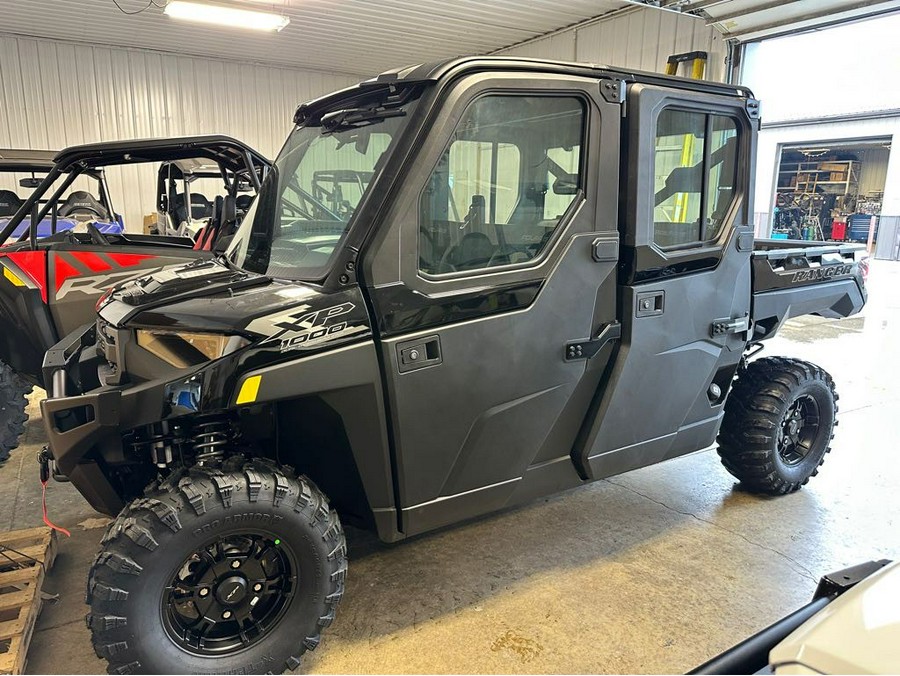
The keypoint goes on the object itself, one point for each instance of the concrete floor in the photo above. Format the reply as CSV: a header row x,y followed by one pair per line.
x,y
652,571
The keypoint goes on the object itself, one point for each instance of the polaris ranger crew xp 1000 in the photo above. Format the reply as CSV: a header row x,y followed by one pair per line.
x,y
463,286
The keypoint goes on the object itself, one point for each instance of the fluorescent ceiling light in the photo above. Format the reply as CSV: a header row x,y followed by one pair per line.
x,y
226,15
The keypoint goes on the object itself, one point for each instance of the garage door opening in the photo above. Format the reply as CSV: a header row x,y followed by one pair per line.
x,y
831,190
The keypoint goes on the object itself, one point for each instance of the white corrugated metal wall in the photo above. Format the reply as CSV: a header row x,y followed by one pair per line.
x,y
636,38
55,94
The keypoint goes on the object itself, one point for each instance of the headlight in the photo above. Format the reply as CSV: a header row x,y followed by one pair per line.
x,y
183,350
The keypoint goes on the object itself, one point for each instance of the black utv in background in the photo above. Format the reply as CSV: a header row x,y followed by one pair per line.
x,y
63,245
519,262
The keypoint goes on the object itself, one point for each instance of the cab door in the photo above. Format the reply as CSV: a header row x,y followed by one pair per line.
x,y
684,280
506,234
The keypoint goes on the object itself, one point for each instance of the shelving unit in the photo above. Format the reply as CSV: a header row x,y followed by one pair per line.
x,y
838,177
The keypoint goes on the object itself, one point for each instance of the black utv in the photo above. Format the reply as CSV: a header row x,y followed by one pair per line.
x,y
544,275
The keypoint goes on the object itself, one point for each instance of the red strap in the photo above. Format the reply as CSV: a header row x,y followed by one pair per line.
x,y
46,518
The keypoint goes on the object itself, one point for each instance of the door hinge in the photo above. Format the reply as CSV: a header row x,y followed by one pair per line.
x,y
613,90
585,349
721,327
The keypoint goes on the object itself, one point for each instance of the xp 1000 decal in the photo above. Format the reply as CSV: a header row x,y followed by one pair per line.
x,y
303,327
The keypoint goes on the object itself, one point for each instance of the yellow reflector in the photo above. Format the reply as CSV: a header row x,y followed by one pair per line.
x,y
249,390
11,276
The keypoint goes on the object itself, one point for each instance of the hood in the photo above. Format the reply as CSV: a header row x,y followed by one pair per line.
x,y
176,280
209,296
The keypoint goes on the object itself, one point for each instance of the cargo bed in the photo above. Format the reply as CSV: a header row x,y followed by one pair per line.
x,y
797,277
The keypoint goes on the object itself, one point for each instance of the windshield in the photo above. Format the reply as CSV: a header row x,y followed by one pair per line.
x,y
307,202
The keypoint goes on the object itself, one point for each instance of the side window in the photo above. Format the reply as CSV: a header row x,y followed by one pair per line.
x,y
501,188
695,169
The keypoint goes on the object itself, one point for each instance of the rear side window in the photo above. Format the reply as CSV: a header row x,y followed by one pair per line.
x,y
510,173
695,170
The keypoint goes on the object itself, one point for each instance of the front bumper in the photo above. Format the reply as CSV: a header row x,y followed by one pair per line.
x,y
86,430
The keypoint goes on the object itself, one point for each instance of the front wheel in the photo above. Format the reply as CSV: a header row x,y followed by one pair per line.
x,y
778,424
217,572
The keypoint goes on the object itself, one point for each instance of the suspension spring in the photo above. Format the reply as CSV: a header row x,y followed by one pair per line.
x,y
210,439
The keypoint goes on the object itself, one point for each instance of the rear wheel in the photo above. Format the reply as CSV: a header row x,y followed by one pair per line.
x,y
13,404
217,572
778,425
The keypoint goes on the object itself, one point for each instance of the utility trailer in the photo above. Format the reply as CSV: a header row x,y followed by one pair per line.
x,y
548,278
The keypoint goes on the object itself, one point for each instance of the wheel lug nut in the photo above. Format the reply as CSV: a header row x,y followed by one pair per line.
x,y
235,564
204,592
257,587
226,615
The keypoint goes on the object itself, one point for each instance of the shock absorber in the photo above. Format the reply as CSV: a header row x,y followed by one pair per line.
x,y
157,439
209,441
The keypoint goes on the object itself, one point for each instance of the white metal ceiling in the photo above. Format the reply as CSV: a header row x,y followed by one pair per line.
x,y
748,20
345,36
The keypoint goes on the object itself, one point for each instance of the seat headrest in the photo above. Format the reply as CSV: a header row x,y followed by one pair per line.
x,y
9,202
243,202
83,202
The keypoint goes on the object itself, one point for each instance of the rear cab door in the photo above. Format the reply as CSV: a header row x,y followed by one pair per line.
x,y
684,277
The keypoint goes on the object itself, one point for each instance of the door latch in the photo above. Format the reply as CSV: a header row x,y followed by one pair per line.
x,y
419,353
585,349
650,304
721,327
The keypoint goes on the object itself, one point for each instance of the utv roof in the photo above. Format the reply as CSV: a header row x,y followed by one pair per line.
x,y
225,151
433,72
26,160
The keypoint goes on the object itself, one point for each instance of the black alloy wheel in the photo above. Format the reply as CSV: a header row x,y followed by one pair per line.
x,y
229,593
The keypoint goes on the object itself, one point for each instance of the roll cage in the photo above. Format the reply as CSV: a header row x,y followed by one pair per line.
x,y
232,157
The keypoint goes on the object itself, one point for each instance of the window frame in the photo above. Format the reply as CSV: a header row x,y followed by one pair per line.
x,y
578,199
704,188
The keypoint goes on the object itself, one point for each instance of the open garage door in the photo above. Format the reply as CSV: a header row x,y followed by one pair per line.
x,y
750,20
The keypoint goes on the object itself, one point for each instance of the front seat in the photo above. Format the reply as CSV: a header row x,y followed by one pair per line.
x,y
81,203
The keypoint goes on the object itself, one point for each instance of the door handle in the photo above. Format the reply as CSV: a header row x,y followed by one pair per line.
x,y
650,303
585,349
419,353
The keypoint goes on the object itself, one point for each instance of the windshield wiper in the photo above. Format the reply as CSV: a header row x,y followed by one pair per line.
x,y
353,118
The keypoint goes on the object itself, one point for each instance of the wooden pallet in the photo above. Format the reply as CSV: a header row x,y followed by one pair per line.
x,y
21,577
